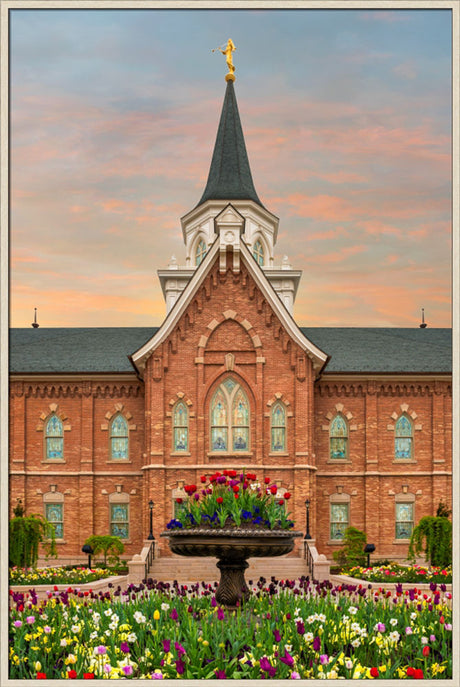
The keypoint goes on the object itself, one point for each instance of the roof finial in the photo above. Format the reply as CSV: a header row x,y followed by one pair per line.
x,y
423,325
35,323
229,48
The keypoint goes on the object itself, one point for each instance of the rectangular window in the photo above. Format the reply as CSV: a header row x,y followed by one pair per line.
x,y
119,520
339,520
54,513
404,520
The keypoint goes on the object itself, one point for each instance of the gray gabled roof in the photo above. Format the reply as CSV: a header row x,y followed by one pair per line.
x,y
352,349
230,175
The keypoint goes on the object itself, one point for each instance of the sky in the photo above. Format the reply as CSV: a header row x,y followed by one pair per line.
x,y
347,121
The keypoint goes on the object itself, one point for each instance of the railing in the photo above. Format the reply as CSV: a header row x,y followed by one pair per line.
x,y
141,563
318,566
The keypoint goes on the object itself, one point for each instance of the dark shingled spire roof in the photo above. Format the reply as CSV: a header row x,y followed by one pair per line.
x,y
230,175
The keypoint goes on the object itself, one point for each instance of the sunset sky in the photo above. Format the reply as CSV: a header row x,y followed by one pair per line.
x,y
346,116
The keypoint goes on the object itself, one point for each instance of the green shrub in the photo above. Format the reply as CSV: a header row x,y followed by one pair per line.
x,y
110,547
26,533
433,536
352,552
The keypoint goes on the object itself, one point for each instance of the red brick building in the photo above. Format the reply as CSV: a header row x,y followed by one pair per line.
x,y
356,420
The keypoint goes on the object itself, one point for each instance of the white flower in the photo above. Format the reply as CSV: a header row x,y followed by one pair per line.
x,y
345,619
93,635
164,606
413,616
322,618
113,626
424,640
362,632
394,636
132,638
356,627
44,616
75,618
309,636
139,618
108,612
75,628
108,633
353,610
393,621
356,642
348,664
63,642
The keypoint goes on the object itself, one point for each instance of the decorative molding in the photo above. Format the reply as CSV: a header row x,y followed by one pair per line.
x,y
53,409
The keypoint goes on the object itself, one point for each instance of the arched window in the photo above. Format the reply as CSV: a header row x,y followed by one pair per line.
x,y
278,427
180,418
403,438
338,437
229,416
54,511
200,253
258,253
119,438
54,438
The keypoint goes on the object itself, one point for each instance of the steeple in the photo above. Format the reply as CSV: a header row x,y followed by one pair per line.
x,y
230,174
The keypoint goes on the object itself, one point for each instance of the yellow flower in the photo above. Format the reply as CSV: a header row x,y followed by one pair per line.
x,y
38,666
28,637
156,614
205,642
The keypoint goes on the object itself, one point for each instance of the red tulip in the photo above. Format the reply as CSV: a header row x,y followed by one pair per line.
x,y
287,495
374,672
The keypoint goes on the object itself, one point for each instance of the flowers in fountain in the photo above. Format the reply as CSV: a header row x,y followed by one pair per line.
x,y
231,499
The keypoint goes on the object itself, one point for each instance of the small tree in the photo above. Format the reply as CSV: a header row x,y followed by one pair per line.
x,y
352,552
433,536
109,546
26,533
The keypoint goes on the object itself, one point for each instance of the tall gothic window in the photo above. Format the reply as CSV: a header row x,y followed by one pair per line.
x,y
229,418
338,437
54,438
54,513
403,437
119,438
180,415
278,427
200,253
258,253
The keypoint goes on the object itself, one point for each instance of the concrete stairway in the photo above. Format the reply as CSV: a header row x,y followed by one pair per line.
x,y
191,569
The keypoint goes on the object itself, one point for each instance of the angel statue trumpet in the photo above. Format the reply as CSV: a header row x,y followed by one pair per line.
x,y
227,51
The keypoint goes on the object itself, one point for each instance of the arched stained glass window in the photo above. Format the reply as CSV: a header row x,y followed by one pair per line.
x,y
338,437
54,513
230,418
200,253
54,438
278,427
119,438
403,437
180,427
258,253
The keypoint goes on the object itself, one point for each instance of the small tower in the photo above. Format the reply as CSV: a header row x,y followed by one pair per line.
x,y
423,323
35,324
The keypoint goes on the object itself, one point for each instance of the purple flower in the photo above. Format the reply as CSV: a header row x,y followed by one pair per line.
x,y
381,627
30,619
408,630
180,666
277,635
295,676
220,614
266,666
220,674
17,623
323,659
157,676
179,648
300,628
213,602
124,646
128,670
432,638
287,658
166,645
173,615
101,649
316,644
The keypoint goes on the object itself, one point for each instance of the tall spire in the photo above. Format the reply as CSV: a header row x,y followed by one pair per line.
x,y
230,174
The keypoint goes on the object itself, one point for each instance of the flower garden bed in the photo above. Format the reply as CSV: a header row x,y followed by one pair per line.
x,y
286,630
57,575
414,574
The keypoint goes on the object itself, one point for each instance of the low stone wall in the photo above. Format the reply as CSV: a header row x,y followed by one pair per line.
x,y
95,586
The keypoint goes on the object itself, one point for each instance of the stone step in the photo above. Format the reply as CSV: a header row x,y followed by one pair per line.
x,y
205,569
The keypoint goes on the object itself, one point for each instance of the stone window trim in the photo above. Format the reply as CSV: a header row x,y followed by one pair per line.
x,y
220,319
116,498
338,498
118,409
404,497
54,497
405,409
45,417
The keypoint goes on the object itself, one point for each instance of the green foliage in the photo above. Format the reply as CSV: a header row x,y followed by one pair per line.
x,y
443,511
352,552
26,533
433,536
109,546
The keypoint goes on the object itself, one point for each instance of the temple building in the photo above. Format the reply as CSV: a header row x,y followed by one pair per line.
x,y
356,420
